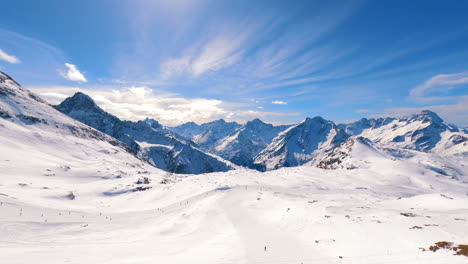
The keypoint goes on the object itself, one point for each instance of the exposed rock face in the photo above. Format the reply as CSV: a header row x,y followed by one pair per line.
x,y
344,155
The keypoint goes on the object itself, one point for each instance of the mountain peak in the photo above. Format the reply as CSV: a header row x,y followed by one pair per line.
x,y
426,116
82,97
309,120
256,120
152,123
255,123
80,102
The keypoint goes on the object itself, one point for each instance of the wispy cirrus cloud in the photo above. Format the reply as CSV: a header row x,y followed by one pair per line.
x,y
176,66
279,102
440,82
217,54
220,49
73,74
251,49
362,111
9,58
39,60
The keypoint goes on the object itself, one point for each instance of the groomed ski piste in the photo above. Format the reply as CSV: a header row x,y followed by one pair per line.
x,y
70,194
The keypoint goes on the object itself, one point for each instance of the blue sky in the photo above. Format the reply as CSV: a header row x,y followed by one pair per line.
x,y
200,60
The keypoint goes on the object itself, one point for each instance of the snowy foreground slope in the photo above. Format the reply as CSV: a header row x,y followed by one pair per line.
x,y
71,194
301,215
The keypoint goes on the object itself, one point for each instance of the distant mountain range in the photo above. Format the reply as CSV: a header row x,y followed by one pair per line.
x,y
150,140
234,142
424,131
267,147
221,146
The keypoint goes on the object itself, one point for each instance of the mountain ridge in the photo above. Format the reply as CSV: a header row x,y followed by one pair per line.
x,y
254,144
262,146
164,148
424,131
299,144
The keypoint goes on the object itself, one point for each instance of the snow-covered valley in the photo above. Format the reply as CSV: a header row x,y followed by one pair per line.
x,y
71,194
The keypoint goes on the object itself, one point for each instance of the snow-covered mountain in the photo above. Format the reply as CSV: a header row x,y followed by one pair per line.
x,y
424,131
24,111
40,147
242,145
152,141
354,153
206,135
188,130
299,144
82,108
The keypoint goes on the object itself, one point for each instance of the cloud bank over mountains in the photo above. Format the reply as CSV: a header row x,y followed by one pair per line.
x,y
138,103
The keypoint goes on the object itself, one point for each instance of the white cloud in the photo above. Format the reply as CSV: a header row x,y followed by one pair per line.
x,y
362,111
215,54
441,82
244,51
9,58
137,103
73,74
176,66
279,102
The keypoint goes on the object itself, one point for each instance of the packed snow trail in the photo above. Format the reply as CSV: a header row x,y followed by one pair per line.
x,y
261,241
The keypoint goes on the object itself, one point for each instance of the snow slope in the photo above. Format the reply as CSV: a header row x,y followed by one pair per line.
x,y
42,150
299,215
165,149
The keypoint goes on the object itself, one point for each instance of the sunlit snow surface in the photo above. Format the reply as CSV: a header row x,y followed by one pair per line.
x,y
301,215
